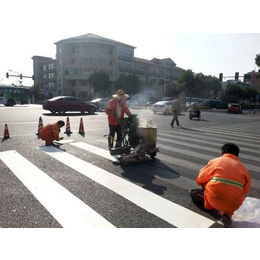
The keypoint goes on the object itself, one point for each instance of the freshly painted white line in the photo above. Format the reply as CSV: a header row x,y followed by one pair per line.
x,y
187,164
162,208
170,177
96,150
65,141
66,208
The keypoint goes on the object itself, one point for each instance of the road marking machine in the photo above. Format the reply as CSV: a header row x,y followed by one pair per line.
x,y
138,141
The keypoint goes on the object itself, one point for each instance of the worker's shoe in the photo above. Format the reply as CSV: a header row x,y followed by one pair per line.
x,y
226,220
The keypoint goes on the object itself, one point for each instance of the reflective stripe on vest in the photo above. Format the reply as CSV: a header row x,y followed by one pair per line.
x,y
233,183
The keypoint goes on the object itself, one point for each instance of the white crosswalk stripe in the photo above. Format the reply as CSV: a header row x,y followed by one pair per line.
x,y
68,210
185,152
165,209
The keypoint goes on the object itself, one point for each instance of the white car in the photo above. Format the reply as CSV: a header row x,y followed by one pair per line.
x,y
162,107
131,103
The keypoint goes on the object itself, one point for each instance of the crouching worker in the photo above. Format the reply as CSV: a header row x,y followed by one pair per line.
x,y
50,132
225,181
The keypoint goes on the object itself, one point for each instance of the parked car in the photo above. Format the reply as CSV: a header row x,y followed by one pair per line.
x,y
62,104
131,103
211,103
234,108
162,107
101,103
222,105
148,104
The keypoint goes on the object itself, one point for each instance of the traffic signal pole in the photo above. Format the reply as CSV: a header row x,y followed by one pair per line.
x,y
19,76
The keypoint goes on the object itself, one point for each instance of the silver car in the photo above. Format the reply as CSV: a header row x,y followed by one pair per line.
x,y
162,107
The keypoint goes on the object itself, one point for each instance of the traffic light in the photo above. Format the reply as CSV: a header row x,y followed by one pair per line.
x,y
21,76
236,76
220,77
7,74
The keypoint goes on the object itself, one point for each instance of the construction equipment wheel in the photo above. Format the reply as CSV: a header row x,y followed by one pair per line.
x,y
153,154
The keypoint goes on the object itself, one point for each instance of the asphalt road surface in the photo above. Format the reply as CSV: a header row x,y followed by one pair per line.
x,y
82,185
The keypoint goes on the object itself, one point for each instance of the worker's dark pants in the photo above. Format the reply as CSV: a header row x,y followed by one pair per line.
x,y
112,130
175,117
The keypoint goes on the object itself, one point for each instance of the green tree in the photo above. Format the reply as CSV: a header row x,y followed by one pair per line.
x,y
213,86
130,84
100,81
186,83
257,60
234,92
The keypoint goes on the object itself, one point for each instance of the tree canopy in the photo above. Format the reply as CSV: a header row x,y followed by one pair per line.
x,y
130,84
198,85
257,60
100,81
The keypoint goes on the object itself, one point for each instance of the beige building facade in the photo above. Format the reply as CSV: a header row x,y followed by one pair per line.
x,y
79,57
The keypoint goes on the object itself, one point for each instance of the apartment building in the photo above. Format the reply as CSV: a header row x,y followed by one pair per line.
x,y
78,57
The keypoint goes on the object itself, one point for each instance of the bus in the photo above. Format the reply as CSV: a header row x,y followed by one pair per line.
x,y
11,95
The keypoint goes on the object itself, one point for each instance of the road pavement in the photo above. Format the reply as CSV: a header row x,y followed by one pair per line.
x,y
82,185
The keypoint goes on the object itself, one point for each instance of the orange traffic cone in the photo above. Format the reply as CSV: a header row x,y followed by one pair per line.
x,y
81,127
68,132
40,126
6,133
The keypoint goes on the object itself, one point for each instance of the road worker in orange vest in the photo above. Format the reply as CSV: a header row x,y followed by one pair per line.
x,y
50,132
226,181
116,108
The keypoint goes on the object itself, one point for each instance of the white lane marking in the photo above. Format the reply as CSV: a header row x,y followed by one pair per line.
x,y
230,131
203,156
207,140
160,207
170,177
227,133
205,148
65,141
66,208
190,165
96,150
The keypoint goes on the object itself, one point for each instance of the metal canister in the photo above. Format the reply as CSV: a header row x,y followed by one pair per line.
x,y
148,137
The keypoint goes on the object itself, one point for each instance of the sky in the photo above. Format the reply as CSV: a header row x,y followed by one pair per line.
x,y
208,37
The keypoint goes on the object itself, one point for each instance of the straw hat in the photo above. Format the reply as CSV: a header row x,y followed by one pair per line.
x,y
120,94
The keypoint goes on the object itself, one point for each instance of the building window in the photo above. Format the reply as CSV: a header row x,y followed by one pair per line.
x,y
125,53
51,66
75,49
59,50
59,61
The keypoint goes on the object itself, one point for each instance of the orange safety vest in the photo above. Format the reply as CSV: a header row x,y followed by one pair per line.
x,y
50,130
226,181
111,111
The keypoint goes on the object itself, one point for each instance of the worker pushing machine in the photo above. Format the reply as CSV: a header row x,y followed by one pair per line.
x,y
225,181
50,132
116,108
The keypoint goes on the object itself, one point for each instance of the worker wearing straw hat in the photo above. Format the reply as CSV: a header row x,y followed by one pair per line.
x,y
116,108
